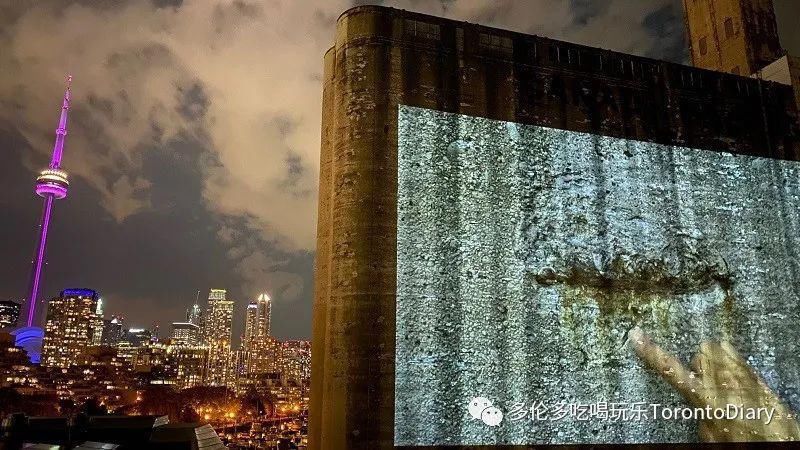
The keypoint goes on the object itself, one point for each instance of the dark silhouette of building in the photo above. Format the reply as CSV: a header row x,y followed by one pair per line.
x,y
383,58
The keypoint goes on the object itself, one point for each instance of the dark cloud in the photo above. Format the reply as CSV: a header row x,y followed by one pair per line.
x,y
586,10
167,3
229,16
193,103
666,24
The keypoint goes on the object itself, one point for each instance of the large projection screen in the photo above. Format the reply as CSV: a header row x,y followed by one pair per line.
x,y
526,254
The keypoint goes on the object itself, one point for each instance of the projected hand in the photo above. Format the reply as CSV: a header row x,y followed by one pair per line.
x,y
718,376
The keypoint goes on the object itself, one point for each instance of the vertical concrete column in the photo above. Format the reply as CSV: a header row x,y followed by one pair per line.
x,y
322,261
354,306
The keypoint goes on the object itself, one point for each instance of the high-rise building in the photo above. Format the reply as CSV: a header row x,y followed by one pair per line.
x,y
97,337
256,340
190,365
193,314
102,372
137,337
113,330
734,36
295,361
51,185
239,369
251,315
185,333
71,326
9,313
218,320
152,364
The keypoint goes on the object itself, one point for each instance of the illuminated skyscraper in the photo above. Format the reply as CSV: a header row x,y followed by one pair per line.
x,y
113,330
217,336
185,333
256,335
97,326
138,337
251,315
190,365
193,314
295,361
51,185
71,326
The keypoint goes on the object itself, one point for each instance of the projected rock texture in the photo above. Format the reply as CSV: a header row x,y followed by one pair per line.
x,y
525,254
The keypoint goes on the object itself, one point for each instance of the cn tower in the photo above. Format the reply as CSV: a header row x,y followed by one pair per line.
x,y
51,185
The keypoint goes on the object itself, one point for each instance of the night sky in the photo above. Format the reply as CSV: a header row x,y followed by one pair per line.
x,y
193,141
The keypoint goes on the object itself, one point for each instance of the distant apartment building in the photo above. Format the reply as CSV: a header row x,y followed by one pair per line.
x,y
295,361
193,314
137,337
72,326
190,365
113,330
185,333
218,319
258,346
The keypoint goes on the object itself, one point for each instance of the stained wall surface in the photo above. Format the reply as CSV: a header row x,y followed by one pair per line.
x,y
526,253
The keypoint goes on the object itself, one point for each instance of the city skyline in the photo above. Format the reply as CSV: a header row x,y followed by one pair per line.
x,y
161,222
190,324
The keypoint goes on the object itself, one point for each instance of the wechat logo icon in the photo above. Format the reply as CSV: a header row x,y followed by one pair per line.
x,y
481,408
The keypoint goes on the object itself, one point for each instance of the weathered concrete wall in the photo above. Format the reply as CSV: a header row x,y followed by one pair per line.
x,y
525,254
383,58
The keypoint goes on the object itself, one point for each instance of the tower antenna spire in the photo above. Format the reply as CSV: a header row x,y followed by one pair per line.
x,y
61,131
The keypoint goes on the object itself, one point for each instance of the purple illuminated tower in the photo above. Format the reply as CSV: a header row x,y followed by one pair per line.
x,y
51,185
